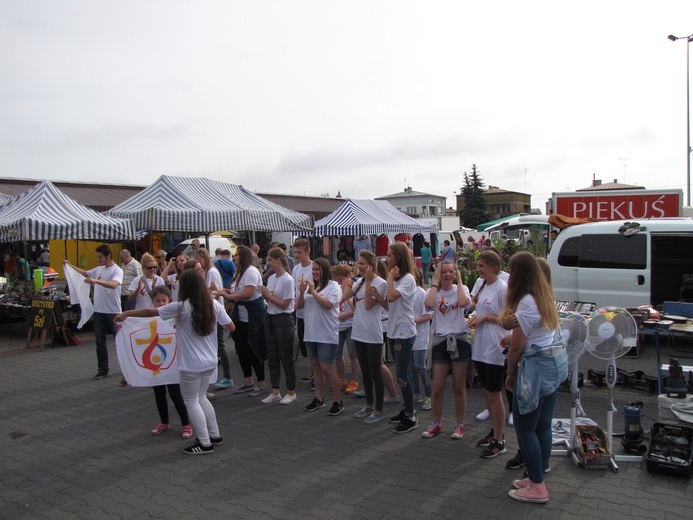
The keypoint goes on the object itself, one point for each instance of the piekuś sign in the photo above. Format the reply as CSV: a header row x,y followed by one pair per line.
x,y
620,207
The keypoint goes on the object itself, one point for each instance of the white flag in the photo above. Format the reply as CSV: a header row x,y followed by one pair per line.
x,y
148,352
79,293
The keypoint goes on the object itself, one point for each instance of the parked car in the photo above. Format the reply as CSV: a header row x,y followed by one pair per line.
x,y
624,264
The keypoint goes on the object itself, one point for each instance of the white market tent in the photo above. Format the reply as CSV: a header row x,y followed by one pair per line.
x,y
369,217
43,212
203,206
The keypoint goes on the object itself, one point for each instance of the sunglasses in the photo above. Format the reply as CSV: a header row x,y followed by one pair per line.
x,y
150,267
160,257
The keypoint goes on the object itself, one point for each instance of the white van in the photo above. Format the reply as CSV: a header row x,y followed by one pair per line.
x,y
215,241
614,263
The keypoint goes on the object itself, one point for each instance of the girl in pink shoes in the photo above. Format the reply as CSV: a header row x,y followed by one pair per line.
x,y
162,296
537,364
451,350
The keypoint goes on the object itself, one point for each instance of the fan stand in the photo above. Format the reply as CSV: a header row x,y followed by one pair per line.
x,y
575,411
611,383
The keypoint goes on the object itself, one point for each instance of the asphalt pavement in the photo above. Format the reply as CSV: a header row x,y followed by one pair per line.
x,y
75,447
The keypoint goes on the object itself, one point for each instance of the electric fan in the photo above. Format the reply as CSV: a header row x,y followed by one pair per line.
x,y
574,331
612,332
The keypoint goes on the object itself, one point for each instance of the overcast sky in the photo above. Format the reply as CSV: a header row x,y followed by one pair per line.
x,y
361,97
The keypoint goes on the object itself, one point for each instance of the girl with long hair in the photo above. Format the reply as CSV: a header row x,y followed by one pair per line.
x,y
488,357
448,297
249,315
401,329
369,294
320,300
537,364
280,328
196,316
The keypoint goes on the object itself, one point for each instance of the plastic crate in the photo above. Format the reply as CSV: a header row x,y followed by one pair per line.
x,y
670,450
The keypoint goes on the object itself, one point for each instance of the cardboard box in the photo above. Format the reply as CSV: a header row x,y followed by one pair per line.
x,y
594,454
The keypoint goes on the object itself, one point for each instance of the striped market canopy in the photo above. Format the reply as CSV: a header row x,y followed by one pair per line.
x,y
43,212
203,205
369,217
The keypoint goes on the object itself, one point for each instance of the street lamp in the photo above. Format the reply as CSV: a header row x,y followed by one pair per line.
x,y
688,39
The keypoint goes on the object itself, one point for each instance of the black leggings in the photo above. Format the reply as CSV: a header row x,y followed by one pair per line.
x,y
280,349
162,403
246,357
370,358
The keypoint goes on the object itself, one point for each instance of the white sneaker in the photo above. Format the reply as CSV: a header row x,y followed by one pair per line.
x,y
288,399
482,416
272,398
510,420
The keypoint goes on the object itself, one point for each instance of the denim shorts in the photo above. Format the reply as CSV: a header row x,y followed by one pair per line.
x,y
323,352
345,337
440,352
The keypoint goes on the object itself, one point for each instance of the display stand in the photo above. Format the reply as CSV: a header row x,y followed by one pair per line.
x,y
41,317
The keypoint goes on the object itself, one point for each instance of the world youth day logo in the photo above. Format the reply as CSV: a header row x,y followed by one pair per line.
x,y
152,350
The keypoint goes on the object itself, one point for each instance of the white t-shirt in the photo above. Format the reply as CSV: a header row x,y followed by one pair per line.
x,y
477,285
448,317
251,277
322,325
197,353
107,301
174,284
282,288
345,306
367,326
401,311
422,329
143,300
213,275
529,319
487,336
504,276
301,274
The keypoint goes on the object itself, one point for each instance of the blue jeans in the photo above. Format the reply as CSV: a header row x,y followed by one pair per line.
x,y
425,269
418,372
403,372
534,435
103,325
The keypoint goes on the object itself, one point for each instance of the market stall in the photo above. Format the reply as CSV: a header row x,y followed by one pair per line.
x,y
199,205
369,224
44,213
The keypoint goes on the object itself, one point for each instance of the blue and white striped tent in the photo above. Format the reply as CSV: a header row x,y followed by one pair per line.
x,y
369,217
204,205
43,212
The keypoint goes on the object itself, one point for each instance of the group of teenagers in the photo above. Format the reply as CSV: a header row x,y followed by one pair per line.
x,y
512,317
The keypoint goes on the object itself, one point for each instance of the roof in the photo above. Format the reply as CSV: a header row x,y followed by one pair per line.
x,y
369,217
318,207
97,196
494,189
196,204
408,193
612,186
43,212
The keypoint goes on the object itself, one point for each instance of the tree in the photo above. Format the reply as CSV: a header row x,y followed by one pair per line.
x,y
474,211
